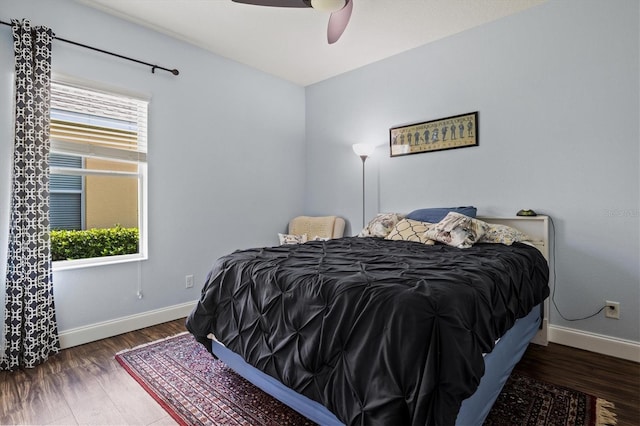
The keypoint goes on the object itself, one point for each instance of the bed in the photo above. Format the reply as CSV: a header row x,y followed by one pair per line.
x,y
377,331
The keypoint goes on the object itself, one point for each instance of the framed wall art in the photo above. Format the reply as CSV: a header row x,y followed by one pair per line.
x,y
459,131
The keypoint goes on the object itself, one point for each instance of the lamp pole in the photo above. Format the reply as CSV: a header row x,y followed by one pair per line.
x,y
364,158
363,151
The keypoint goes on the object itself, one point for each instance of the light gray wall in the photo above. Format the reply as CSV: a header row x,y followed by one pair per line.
x,y
225,150
557,90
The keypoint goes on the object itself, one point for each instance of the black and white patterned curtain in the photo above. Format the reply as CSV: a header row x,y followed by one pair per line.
x,y
30,330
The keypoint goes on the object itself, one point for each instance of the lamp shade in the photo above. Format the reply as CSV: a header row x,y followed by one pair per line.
x,y
362,149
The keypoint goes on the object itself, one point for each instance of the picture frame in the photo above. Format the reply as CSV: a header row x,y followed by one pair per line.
x,y
458,131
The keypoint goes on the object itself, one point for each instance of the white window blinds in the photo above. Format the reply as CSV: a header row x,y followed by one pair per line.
x,y
95,124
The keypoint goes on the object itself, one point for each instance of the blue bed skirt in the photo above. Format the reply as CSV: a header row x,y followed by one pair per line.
x,y
498,366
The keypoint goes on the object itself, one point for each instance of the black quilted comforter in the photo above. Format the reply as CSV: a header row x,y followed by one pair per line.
x,y
378,331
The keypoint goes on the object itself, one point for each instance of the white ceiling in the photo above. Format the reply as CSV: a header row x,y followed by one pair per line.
x,y
292,43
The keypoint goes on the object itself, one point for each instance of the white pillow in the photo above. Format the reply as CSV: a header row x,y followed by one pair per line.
x,y
286,239
502,234
381,225
457,230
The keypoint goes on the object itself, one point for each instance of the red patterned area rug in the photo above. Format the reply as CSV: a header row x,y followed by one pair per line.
x,y
526,401
195,389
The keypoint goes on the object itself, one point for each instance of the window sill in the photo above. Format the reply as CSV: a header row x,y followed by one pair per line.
x,y
65,265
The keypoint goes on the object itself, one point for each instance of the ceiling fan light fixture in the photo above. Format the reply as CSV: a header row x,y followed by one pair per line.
x,y
328,5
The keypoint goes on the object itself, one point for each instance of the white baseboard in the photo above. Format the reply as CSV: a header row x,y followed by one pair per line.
x,y
101,330
606,345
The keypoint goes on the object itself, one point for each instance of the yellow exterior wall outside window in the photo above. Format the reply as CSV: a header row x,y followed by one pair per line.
x,y
110,200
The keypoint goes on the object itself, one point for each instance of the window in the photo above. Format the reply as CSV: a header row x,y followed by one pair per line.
x,y
98,176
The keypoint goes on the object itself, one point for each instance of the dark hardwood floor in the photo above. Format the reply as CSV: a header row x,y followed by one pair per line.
x,y
86,385
613,379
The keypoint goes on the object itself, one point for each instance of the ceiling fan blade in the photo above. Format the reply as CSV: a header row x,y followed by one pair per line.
x,y
276,3
338,22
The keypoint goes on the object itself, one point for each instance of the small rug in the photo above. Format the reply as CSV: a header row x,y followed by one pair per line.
x,y
530,402
195,389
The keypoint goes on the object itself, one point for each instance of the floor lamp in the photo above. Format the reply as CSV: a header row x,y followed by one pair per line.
x,y
363,151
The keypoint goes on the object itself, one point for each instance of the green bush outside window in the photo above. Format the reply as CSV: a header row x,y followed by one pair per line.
x,y
97,242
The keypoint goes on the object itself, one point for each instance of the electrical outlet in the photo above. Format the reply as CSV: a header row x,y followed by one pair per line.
x,y
188,281
612,310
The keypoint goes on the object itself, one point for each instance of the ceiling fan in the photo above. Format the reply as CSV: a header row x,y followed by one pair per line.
x,y
340,12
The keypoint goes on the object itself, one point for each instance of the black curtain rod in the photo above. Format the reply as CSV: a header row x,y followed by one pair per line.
x,y
153,67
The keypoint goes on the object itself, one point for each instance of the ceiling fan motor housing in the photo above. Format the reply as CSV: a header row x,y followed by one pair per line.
x,y
327,5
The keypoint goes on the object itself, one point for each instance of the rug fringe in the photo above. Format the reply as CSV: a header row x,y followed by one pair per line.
x,y
604,414
152,343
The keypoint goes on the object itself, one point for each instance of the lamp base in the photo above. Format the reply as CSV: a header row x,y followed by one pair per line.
x,y
526,212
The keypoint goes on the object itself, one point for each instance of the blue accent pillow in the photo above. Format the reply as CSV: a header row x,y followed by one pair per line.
x,y
436,214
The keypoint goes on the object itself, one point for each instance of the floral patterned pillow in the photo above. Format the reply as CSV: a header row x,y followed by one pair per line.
x,y
457,230
381,225
286,239
502,234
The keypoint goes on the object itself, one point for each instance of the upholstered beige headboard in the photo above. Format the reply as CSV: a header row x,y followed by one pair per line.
x,y
317,226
